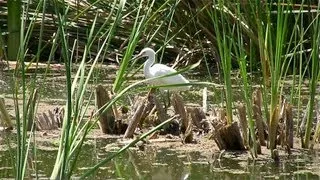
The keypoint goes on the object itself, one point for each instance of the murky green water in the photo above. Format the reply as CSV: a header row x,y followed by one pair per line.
x,y
168,164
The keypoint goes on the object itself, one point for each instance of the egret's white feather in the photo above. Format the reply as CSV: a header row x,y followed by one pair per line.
x,y
152,70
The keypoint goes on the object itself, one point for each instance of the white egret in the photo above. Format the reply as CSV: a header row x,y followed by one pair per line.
x,y
152,70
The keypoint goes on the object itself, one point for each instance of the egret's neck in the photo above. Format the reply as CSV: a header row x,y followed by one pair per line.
x,y
148,64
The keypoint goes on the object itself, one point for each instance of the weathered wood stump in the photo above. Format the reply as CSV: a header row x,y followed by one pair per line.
x,y
199,119
243,123
227,137
230,135
52,119
186,125
4,115
106,117
289,127
257,115
135,119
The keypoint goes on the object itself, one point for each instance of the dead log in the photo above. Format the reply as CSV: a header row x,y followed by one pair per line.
x,y
147,111
106,117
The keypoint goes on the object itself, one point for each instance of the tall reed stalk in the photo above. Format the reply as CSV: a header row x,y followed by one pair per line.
x,y
223,31
25,115
14,25
314,78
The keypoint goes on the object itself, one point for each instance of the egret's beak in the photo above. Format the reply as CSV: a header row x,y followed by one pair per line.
x,y
140,55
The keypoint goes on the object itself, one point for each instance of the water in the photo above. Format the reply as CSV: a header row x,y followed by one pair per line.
x,y
164,163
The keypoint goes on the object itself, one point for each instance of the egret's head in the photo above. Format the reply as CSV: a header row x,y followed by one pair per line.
x,y
146,52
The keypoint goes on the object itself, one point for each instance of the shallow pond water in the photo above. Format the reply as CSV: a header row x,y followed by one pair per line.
x,y
156,163
164,163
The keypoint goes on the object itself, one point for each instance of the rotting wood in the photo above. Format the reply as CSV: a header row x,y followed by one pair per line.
x,y
114,107
289,127
198,118
161,112
257,115
259,124
134,121
106,117
227,137
231,136
273,128
179,109
187,137
243,123
186,126
4,115
150,109
214,131
52,119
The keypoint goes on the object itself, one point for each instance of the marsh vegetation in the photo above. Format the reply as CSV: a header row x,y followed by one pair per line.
x,y
68,76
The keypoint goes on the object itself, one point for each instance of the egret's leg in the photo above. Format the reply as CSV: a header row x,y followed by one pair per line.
x,y
164,98
169,100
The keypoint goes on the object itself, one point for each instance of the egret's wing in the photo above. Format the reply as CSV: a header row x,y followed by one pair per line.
x,y
161,70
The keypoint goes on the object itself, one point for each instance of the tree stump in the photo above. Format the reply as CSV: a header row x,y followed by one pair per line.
x,y
257,115
227,137
243,123
135,119
4,115
186,125
106,117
